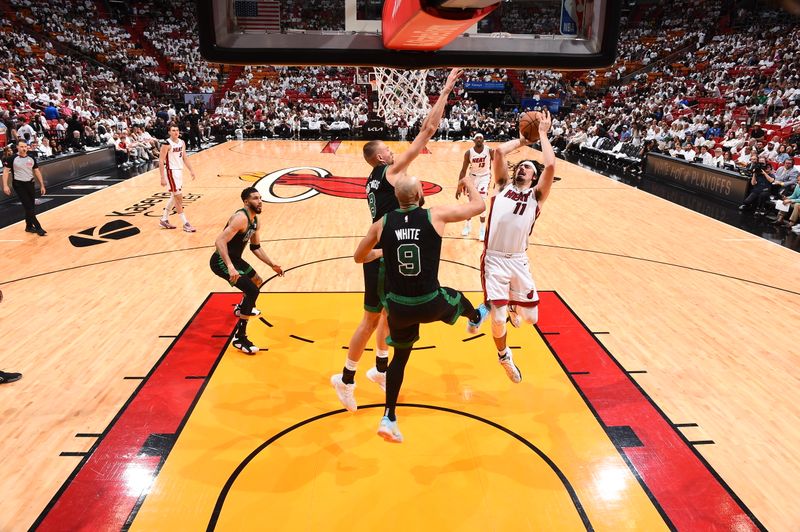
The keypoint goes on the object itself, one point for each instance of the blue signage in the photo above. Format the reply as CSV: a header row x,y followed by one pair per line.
x,y
531,104
484,86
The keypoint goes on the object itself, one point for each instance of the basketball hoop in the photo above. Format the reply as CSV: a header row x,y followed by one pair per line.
x,y
402,93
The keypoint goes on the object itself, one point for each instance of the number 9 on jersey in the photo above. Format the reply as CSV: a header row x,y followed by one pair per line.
x,y
408,257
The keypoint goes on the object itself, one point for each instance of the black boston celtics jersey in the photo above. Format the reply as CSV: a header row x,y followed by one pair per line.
x,y
411,249
239,241
380,193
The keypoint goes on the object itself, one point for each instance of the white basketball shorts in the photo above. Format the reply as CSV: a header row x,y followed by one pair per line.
x,y
482,184
175,180
506,278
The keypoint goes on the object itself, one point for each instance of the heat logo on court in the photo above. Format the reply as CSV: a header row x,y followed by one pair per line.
x,y
316,181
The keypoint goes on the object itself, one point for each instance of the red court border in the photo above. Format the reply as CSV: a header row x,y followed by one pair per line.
x,y
681,484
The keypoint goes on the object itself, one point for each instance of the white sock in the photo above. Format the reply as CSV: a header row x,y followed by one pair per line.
x,y
380,353
352,365
183,217
168,209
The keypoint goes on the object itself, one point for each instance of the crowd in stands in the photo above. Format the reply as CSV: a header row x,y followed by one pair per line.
x,y
325,15
710,97
525,18
684,84
171,28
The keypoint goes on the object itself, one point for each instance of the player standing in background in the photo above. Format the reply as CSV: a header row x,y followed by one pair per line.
x,y
227,262
478,159
171,161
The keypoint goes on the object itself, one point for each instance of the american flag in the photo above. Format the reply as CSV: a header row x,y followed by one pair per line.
x,y
258,15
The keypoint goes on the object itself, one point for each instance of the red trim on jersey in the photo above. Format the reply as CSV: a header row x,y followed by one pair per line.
x,y
172,187
485,245
525,303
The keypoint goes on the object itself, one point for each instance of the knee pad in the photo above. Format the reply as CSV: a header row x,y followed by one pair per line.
x,y
529,314
499,316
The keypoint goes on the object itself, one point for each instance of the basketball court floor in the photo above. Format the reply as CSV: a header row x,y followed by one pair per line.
x,y
659,388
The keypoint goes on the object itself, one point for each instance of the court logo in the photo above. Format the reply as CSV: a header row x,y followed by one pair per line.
x,y
114,230
151,206
316,181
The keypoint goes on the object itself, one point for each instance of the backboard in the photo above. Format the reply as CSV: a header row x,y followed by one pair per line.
x,y
556,34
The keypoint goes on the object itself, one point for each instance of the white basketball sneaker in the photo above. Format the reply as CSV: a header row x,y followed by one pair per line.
x,y
467,229
244,345
344,392
513,372
377,377
238,313
388,431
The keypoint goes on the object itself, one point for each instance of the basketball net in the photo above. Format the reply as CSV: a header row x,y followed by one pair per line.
x,y
402,93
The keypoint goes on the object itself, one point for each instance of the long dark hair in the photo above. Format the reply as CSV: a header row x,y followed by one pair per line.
x,y
537,169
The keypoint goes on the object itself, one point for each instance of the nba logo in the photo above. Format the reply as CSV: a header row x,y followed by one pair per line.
x,y
576,17
569,17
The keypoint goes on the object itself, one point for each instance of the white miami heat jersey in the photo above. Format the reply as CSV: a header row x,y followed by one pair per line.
x,y
511,218
175,155
479,163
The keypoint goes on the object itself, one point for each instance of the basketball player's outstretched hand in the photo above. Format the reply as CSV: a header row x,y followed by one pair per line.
x,y
452,78
277,269
461,188
545,122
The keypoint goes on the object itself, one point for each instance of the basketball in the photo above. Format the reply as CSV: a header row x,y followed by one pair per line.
x,y
529,125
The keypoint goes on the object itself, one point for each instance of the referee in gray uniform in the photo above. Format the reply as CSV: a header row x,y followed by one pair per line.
x,y
22,169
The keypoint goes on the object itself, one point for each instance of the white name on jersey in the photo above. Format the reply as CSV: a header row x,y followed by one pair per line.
x,y
407,234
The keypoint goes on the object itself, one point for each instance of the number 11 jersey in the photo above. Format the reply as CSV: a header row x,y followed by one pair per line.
x,y
511,217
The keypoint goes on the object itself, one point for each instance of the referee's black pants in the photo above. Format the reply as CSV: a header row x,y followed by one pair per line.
x,y
27,195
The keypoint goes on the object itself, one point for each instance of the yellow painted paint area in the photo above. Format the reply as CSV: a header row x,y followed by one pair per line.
x,y
453,472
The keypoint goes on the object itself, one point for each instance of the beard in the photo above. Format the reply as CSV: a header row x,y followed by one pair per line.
x,y
422,201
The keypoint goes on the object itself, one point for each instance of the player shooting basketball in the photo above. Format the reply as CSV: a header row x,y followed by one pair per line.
x,y
387,168
508,284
